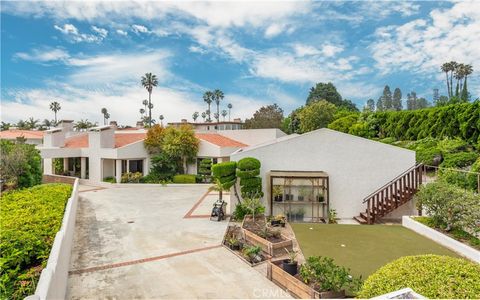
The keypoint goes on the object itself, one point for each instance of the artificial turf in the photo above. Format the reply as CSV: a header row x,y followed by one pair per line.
x,y
363,248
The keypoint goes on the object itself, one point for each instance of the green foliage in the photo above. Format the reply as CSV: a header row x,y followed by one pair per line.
x,y
429,156
241,210
205,167
270,116
329,93
322,273
130,177
450,206
248,173
251,182
163,167
456,233
224,172
316,115
248,170
248,163
433,276
20,164
29,220
184,178
344,124
459,159
449,145
180,143
110,179
254,206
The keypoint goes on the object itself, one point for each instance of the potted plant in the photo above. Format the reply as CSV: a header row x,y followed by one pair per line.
x,y
277,192
278,220
302,192
300,214
234,243
290,265
252,253
332,216
320,198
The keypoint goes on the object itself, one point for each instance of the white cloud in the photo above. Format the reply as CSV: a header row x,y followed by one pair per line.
x,y
121,32
331,50
139,29
74,35
274,30
422,45
43,55
305,50
196,49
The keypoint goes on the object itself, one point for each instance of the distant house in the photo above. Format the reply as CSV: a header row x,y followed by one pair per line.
x,y
236,124
305,175
33,137
107,151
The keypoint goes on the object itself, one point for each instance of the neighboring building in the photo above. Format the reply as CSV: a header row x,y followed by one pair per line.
x,y
236,124
106,151
305,175
33,137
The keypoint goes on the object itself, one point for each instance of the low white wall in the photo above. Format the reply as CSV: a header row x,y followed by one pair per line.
x,y
441,238
53,280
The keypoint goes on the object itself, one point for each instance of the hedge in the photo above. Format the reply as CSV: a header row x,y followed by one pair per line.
x,y
248,163
459,159
224,169
247,174
433,276
184,178
251,182
29,220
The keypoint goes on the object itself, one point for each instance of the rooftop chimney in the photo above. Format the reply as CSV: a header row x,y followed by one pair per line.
x,y
65,125
184,120
114,124
139,124
238,120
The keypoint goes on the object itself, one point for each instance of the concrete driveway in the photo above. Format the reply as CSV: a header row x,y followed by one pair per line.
x,y
150,242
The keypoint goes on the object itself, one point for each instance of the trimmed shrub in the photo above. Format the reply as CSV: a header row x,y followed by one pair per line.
x,y
110,179
29,220
131,177
248,163
205,167
452,145
459,159
430,156
248,174
251,182
433,276
224,172
184,178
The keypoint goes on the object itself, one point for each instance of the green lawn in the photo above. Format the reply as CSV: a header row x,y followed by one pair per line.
x,y
363,248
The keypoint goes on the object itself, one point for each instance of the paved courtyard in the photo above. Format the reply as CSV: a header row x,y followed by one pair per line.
x,y
156,242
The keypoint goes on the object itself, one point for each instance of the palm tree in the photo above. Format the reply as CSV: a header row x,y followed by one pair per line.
x,y
142,111
21,124
55,107
459,75
195,116
149,81
31,123
83,125
446,68
216,116
229,109
208,98
47,124
145,104
105,114
224,114
453,67
161,119
218,96
204,115
5,126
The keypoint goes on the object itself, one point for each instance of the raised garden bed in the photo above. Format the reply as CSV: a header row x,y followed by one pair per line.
x,y
235,243
294,285
258,233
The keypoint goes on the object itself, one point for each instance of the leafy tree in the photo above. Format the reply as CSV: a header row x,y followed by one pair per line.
x,y
441,101
149,81
387,100
224,114
217,97
397,100
380,104
208,98
55,107
204,115
316,115
269,116
195,116
154,140
328,92
163,167
83,125
20,165
370,107
422,103
31,123
182,143
5,125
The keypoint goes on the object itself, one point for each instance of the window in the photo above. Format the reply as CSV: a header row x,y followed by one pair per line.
x,y
136,166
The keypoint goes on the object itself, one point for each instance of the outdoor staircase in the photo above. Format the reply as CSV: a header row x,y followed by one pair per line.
x,y
392,195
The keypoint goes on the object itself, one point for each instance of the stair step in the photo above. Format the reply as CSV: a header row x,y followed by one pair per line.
x,y
364,215
360,220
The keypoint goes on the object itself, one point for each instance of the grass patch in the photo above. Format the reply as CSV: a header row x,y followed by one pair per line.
x,y
366,248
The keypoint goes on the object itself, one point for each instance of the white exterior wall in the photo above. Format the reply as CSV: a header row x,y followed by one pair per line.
x,y
356,166
252,136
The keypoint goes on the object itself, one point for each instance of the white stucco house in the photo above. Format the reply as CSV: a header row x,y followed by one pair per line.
x,y
34,137
305,175
107,151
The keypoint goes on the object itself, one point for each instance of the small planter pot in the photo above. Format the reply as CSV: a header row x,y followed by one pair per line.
x,y
235,247
278,198
332,295
300,198
290,268
277,223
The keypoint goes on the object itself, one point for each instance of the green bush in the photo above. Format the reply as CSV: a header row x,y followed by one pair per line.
x,y
29,220
429,156
247,174
110,179
205,167
241,210
131,177
184,178
433,276
449,145
224,169
325,275
248,163
251,182
20,164
459,159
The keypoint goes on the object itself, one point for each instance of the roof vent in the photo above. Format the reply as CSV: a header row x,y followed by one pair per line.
x,y
139,124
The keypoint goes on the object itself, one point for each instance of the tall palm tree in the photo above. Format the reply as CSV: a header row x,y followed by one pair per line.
x,y
459,75
446,68
453,67
224,114
104,112
149,81
145,104
218,96
216,116
142,112
204,115
31,123
161,119
229,109
55,107
467,70
47,124
83,125
195,116
208,98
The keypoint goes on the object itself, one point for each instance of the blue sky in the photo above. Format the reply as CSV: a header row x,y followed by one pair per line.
x,y
89,55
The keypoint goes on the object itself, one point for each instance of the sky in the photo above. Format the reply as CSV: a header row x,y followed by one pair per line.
x,y
89,55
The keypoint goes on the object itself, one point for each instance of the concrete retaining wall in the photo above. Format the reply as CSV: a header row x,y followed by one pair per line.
x,y
47,178
442,239
53,280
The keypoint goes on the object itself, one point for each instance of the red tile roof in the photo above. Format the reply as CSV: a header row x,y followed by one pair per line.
x,y
81,141
219,140
12,134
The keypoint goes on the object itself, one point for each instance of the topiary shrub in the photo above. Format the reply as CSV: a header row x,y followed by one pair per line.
x,y
248,170
225,173
184,178
433,276
205,167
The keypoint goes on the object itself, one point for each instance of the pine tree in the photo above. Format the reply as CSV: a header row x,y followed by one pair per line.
x,y
464,95
387,98
397,99
370,105
380,105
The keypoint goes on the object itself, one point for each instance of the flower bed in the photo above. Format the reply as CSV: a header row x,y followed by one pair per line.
x,y
249,253
271,241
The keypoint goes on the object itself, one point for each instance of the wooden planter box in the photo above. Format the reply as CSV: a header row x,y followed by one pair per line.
x,y
238,254
294,286
272,249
